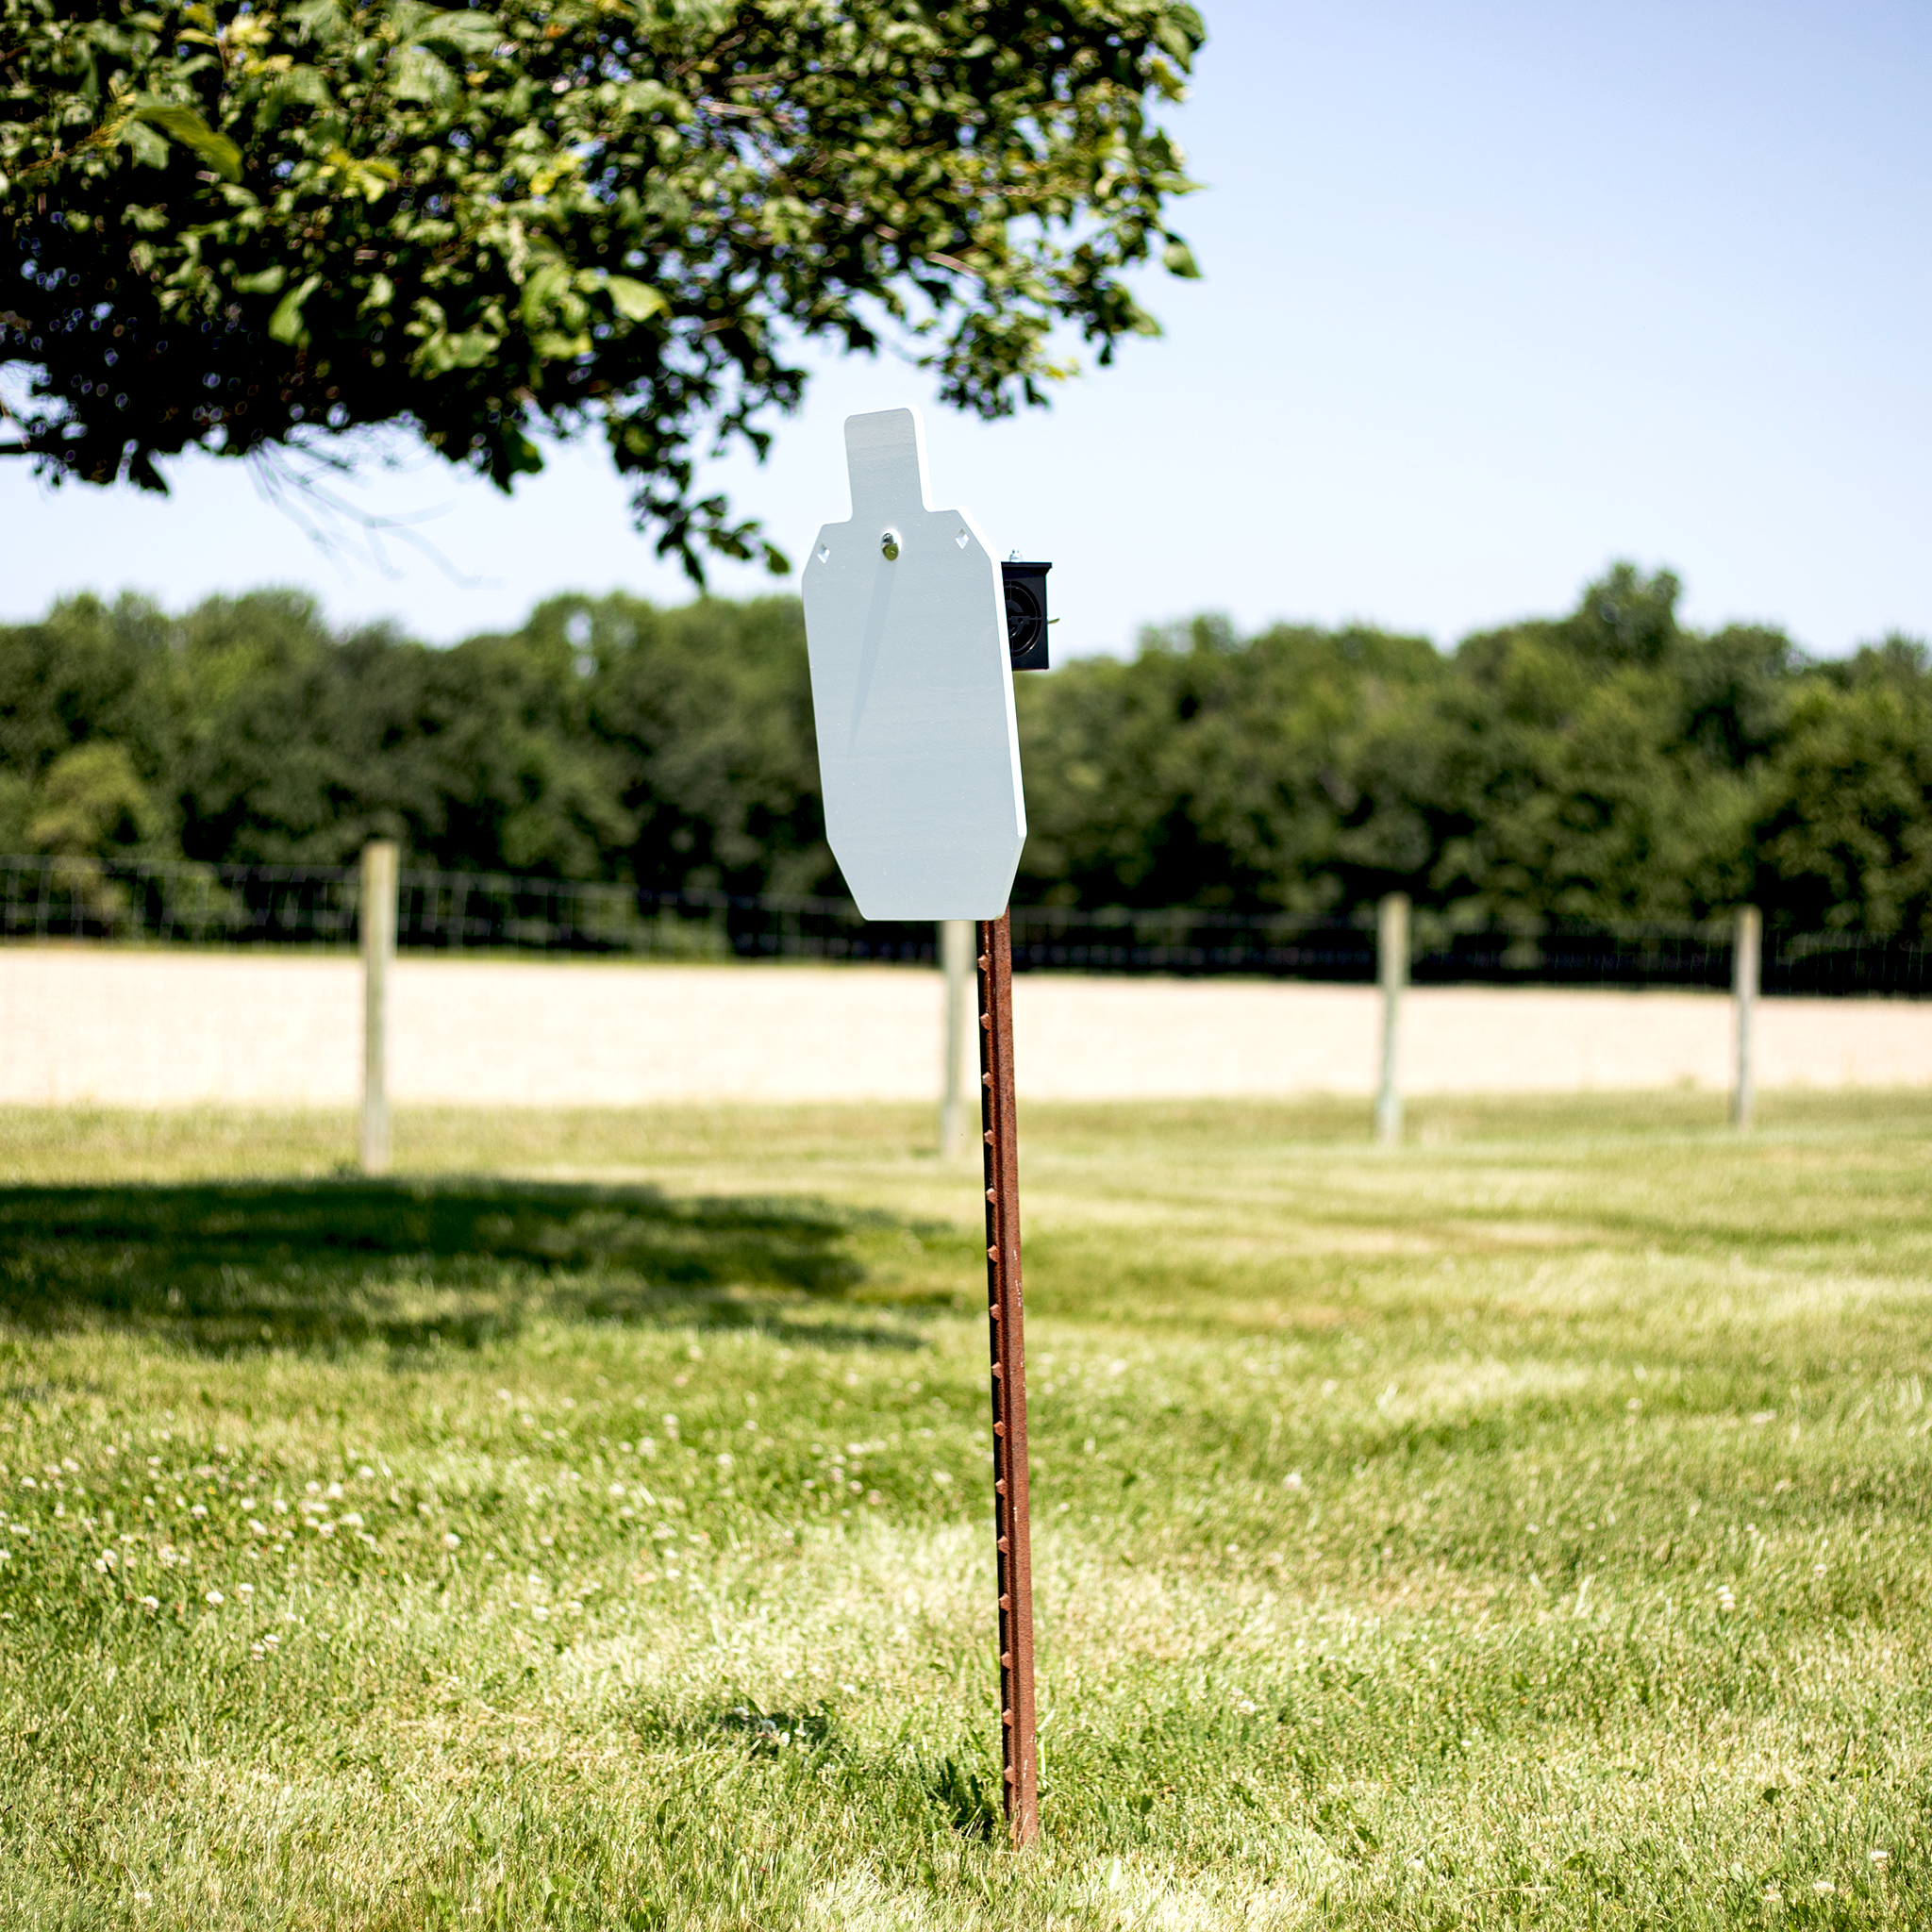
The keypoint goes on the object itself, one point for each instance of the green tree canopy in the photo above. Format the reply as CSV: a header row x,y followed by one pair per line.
x,y
91,805
1591,766
240,228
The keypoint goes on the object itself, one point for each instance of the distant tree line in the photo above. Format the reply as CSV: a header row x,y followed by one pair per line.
x,y
1608,764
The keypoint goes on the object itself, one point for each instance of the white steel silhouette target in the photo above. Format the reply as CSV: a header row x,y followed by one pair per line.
x,y
911,684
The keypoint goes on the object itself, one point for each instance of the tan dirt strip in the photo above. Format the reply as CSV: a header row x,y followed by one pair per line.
x,y
164,1028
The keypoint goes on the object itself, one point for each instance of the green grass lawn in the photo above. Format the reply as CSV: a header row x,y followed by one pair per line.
x,y
591,1527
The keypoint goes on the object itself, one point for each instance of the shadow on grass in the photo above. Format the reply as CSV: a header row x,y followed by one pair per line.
x,y
811,1742
236,1266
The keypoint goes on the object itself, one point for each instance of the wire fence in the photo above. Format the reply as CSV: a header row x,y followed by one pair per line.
x,y
181,903
1189,941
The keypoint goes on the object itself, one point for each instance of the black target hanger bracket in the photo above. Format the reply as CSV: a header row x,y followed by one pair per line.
x,y
1027,618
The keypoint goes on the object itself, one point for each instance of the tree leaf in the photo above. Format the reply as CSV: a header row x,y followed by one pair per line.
x,y
285,325
303,84
546,283
475,36
372,180
327,20
421,76
468,349
185,127
634,300
147,147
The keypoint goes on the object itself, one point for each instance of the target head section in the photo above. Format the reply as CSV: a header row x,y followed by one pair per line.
x,y
913,690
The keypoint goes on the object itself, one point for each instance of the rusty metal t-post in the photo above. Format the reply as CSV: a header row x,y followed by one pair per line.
x,y
1001,1142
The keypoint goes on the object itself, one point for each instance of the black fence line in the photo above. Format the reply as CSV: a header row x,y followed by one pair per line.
x,y
319,906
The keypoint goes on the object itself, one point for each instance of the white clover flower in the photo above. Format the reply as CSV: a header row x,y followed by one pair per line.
x,y
257,1528
352,1521
150,1603
244,1590
1726,1600
216,1598
1879,1855
1823,1886
451,1540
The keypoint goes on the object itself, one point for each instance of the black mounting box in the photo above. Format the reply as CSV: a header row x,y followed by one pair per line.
x,y
1026,615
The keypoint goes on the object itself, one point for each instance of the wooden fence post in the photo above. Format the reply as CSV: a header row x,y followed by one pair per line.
x,y
378,926
1746,954
1391,964
955,958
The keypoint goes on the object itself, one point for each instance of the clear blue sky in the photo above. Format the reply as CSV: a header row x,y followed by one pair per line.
x,y
1493,293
